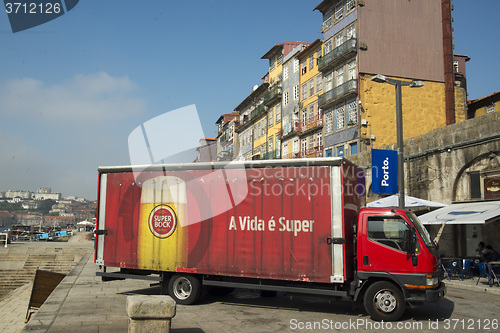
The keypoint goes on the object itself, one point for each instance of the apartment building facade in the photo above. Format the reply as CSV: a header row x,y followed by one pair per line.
x,y
310,116
403,40
253,122
291,104
227,140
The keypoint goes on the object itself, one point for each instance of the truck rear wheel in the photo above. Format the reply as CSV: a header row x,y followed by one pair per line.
x,y
384,301
184,289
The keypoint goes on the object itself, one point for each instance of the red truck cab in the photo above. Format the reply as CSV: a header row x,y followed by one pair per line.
x,y
397,260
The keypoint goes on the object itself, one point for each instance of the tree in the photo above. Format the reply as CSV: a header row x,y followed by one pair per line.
x,y
45,206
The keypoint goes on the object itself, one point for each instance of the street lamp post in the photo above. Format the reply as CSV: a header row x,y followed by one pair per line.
x,y
399,128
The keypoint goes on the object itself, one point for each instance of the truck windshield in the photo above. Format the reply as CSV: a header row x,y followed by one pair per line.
x,y
421,229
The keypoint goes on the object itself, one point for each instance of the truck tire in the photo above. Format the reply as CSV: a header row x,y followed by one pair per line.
x,y
384,301
184,289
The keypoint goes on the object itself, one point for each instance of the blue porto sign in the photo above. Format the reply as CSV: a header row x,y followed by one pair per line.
x,y
26,14
384,171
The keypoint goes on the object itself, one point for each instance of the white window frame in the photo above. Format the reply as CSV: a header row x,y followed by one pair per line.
x,y
304,91
340,117
329,121
304,145
311,87
490,108
339,11
352,112
352,70
278,113
339,39
279,59
350,32
295,146
329,81
319,139
285,98
296,65
319,83
296,92
339,76
350,5
285,73
328,46
328,20
271,64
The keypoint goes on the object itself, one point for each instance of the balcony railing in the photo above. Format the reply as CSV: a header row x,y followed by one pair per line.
x,y
311,123
273,95
331,96
312,152
336,55
257,111
271,155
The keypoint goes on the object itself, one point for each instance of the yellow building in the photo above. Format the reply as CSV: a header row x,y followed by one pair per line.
x,y
484,105
276,98
310,117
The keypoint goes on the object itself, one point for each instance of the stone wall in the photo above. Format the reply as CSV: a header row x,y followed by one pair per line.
x,y
437,167
423,109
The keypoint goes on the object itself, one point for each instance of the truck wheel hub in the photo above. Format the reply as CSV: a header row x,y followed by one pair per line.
x,y
385,301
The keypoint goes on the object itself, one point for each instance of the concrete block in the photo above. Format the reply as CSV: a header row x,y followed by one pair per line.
x,y
150,313
150,307
148,325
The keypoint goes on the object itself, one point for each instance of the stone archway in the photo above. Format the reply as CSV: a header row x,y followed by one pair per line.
x,y
483,162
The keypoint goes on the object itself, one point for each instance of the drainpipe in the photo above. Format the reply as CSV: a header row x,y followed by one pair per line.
x,y
448,62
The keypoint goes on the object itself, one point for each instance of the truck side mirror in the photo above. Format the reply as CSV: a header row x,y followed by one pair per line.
x,y
410,241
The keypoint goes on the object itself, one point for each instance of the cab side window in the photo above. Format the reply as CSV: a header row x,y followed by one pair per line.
x,y
391,231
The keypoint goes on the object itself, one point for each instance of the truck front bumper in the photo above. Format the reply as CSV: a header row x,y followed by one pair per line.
x,y
434,295
416,297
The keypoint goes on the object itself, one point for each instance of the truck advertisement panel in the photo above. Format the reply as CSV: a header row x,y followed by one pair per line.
x,y
195,221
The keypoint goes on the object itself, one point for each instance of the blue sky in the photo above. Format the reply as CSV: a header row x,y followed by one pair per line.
x,y
73,89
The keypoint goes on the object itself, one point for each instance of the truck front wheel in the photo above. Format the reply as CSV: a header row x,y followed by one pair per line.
x,y
184,289
384,301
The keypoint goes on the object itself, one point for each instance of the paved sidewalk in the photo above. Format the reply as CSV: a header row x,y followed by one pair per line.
x,y
13,309
82,303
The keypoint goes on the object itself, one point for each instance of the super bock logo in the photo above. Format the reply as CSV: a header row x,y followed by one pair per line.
x,y
162,221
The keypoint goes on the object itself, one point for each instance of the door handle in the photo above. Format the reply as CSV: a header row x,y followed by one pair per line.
x,y
365,261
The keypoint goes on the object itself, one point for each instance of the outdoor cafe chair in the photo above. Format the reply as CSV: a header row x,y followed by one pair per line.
x,y
451,267
483,272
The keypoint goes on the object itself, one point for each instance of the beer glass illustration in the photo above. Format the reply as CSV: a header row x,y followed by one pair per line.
x,y
162,235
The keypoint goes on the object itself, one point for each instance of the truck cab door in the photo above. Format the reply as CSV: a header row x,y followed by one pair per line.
x,y
388,244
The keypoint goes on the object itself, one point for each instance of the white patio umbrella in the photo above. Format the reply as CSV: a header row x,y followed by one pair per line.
x,y
85,223
410,202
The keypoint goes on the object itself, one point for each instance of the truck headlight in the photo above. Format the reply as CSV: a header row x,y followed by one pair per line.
x,y
431,281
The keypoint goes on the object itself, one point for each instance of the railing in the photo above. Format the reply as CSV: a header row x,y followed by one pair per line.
x,y
345,89
257,111
312,152
272,95
271,155
313,122
337,54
